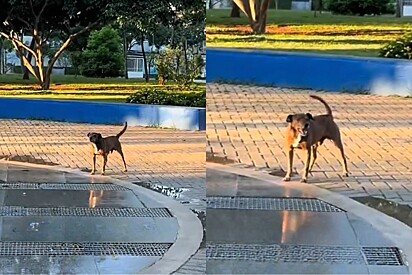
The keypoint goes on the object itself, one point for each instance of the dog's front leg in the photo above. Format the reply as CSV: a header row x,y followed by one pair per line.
x,y
290,164
94,165
314,156
104,161
307,163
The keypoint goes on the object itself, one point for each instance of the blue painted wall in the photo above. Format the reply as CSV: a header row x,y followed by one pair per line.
x,y
183,118
319,72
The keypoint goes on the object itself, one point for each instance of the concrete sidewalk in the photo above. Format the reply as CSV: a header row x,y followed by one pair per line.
x,y
258,225
164,160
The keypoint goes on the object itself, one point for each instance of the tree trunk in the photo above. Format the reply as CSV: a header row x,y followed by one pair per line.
x,y
185,53
256,11
235,10
26,75
126,75
146,71
398,11
45,85
1,56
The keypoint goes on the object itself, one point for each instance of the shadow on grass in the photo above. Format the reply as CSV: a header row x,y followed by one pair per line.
x,y
295,40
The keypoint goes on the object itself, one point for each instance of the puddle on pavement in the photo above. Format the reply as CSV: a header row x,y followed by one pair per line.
x,y
29,159
210,157
398,211
177,193
173,192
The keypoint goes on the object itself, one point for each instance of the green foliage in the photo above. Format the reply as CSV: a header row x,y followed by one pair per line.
x,y
103,56
400,48
176,65
166,97
360,7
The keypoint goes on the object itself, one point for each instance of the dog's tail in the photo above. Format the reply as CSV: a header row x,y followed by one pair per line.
x,y
122,131
328,109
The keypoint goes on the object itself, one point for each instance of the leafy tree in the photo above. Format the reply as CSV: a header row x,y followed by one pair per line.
x,y
256,11
44,18
143,16
169,67
103,56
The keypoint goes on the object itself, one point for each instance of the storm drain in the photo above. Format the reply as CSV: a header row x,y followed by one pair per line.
x,y
277,204
81,249
19,211
64,186
382,255
301,254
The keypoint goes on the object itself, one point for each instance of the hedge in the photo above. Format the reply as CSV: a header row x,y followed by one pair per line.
x,y
165,97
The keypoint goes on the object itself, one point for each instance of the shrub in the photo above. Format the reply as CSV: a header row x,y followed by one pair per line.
x,y
103,56
400,48
360,7
163,97
175,64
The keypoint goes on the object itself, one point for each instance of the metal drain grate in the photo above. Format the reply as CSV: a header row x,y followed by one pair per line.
x,y
18,211
64,186
303,253
382,255
277,204
80,249
284,253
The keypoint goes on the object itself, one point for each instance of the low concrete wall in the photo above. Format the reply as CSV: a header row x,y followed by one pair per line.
x,y
182,118
318,72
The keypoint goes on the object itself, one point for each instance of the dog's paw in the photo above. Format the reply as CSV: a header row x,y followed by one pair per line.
x,y
102,173
124,170
345,175
92,172
303,180
286,179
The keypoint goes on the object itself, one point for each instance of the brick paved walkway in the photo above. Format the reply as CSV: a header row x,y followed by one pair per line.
x,y
165,157
247,124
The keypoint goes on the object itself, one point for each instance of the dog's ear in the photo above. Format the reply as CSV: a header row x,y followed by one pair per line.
x,y
99,135
89,134
309,116
289,118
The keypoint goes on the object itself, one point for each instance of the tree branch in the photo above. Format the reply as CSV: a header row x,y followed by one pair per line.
x,y
26,61
18,42
67,43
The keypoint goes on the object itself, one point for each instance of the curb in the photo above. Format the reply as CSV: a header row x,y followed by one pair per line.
x,y
396,231
189,235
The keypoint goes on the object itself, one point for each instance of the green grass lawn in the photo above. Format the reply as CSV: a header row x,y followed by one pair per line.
x,y
301,31
73,88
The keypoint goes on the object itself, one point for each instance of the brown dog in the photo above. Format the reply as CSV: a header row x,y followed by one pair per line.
x,y
103,146
307,132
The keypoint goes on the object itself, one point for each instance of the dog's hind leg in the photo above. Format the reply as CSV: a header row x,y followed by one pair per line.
x,y
290,164
338,143
314,156
94,165
124,162
104,162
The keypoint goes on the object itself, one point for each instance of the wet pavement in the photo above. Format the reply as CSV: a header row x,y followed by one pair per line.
x,y
262,227
60,223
